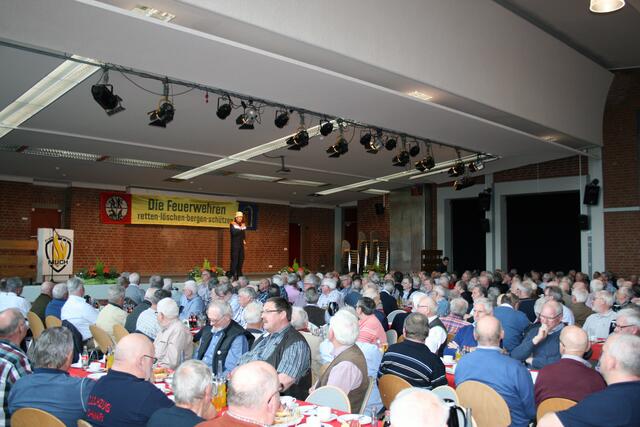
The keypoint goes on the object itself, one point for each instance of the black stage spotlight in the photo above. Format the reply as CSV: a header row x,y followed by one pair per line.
x,y
414,150
425,164
109,101
390,144
301,138
248,117
365,138
476,165
463,182
401,159
326,127
282,118
456,170
224,110
162,115
339,148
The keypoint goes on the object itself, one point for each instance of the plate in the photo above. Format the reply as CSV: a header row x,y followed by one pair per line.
x,y
321,424
291,422
287,400
364,419
331,418
96,375
307,409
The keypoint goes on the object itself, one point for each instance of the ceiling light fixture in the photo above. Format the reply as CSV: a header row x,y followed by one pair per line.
x,y
414,150
340,147
62,79
153,13
476,165
224,109
282,118
375,191
445,166
165,111
326,127
375,144
463,182
420,95
249,115
365,138
102,93
605,6
390,144
301,138
403,157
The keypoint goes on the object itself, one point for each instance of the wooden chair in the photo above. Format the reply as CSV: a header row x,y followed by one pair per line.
x,y
330,396
553,404
392,336
52,322
102,339
400,339
35,324
322,369
393,314
445,392
119,332
389,386
489,408
367,395
83,423
29,417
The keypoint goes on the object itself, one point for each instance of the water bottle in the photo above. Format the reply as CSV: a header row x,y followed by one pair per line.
x,y
85,357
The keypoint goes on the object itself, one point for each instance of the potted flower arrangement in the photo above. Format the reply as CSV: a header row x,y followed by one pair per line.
x,y
98,274
196,272
293,268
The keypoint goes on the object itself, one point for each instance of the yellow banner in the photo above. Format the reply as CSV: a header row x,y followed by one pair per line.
x,y
167,210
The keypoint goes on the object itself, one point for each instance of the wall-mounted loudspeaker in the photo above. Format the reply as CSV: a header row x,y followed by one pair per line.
x,y
583,221
591,193
379,208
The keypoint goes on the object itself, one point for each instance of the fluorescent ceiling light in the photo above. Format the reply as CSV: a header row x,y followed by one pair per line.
x,y
605,6
420,95
375,191
349,187
139,163
302,182
153,13
62,79
245,155
254,177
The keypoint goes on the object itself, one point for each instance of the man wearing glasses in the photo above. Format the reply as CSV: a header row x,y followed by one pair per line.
x,y
125,397
284,348
628,322
541,346
598,325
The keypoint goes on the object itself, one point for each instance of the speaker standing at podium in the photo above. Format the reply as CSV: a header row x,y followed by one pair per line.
x,y
237,228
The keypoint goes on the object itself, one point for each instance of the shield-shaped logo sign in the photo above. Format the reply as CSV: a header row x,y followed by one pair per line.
x,y
58,250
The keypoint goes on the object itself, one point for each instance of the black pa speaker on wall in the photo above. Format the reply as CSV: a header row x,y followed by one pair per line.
x,y
583,222
591,193
486,225
379,208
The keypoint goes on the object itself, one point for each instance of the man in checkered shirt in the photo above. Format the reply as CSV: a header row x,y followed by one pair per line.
x,y
13,362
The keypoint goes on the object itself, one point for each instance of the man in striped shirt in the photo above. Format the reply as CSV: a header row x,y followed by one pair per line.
x,y
13,362
454,321
411,359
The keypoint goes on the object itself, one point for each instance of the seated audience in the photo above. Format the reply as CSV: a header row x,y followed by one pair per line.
x,y
617,405
292,287
12,298
411,359
553,292
507,376
513,321
541,345
628,321
252,397
125,397
132,319
464,340
354,294
370,292
437,339
524,291
398,322
191,388
225,292
190,304
578,306
134,292
300,322
246,296
440,296
371,330
454,321
204,287
112,313
225,341
389,302
253,318
14,364
76,310
59,294
329,293
174,342
571,377
624,294
39,305
147,322
315,313
283,348
417,407
50,387
348,369
598,325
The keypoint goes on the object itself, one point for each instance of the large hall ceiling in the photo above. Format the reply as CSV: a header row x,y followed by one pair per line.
x,y
207,45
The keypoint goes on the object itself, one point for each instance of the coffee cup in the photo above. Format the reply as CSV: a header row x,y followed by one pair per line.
x,y
323,412
448,359
313,421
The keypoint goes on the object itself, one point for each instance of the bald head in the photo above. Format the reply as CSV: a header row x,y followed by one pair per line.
x,y
12,325
573,341
134,355
427,306
488,331
253,391
415,407
46,288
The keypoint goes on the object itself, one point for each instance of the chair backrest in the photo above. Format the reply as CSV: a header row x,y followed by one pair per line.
x,y
393,314
330,396
389,386
367,395
400,339
119,332
35,324
392,336
489,408
553,404
52,321
83,423
29,417
102,339
445,392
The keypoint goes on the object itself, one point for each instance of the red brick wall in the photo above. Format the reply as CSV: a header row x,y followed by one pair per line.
x,y
369,220
569,166
151,249
621,173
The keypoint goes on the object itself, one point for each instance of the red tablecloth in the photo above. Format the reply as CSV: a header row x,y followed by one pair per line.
x,y
78,372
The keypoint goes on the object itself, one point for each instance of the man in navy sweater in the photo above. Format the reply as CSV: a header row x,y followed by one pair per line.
x,y
513,321
619,404
541,346
507,376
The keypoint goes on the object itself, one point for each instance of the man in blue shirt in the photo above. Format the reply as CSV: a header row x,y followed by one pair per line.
x,y
619,404
507,376
50,387
541,346
465,337
514,322
59,294
190,303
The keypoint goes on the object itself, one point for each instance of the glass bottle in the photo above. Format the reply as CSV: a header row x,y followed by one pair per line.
x,y
85,357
